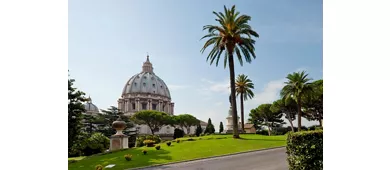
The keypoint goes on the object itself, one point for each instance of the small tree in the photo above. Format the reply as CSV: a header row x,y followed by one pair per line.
x,y
220,127
264,116
154,119
75,110
210,127
198,130
186,120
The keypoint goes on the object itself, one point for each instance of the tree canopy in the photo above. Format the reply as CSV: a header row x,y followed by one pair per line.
x,y
154,119
186,120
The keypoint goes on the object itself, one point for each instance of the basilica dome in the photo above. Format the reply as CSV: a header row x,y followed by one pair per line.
x,y
145,91
90,107
147,83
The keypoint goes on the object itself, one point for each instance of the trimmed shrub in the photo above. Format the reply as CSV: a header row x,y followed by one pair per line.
x,y
158,147
149,143
154,138
177,140
304,150
190,139
178,133
145,152
128,157
95,144
98,167
169,143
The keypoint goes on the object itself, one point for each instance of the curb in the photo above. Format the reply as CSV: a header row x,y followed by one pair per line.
x,y
197,159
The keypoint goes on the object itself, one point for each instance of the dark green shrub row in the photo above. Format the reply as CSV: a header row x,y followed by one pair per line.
x,y
304,150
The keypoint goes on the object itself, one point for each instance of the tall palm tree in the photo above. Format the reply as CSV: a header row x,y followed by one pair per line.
x,y
244,88
232,35
296,87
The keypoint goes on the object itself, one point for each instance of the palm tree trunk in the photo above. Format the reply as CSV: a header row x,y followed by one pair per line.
x,y
299,115
233,94
242,113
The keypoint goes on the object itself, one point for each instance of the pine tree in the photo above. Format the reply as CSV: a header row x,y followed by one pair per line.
x,y
75,110
220,127
105,120
198,130
210,127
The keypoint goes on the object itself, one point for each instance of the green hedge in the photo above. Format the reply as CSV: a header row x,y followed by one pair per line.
x,y
304,150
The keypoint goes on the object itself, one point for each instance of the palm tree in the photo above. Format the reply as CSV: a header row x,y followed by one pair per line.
x,y
233,35
296,87
244,88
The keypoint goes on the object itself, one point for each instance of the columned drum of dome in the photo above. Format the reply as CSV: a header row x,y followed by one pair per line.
x,y
145,91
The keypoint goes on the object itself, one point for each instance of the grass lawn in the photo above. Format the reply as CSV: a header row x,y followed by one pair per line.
x,y
185,150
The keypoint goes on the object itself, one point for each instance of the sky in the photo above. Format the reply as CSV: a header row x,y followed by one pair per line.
x,y
109,40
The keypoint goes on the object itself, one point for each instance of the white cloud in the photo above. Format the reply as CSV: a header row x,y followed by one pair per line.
x,y
177,87
210,87
269,94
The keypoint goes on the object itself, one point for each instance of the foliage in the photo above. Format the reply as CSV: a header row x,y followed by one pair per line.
x,y
305,150
148,143
158,147
209,127
72,161
220,127
244,88
264,116
288,107
168,143
128,157
89,121
313,102
75,110
98,167
140,139
177,140
233,34
178,133
296,87
104,121
154,119
186,120
97,143
198,130
144,151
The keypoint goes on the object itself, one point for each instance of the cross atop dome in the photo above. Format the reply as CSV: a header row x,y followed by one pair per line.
x,y
147,67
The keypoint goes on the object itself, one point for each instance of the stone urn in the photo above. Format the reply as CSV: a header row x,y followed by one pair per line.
x,y
119,125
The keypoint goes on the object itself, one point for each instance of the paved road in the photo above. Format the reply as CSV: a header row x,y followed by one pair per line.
x,y
273,159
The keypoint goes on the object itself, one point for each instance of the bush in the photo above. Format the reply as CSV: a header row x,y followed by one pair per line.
x,y
149,143
169,143
177,140
141,139
128,157
158,147
202,134
144,151
95,144
178,133
190,139
154,138
304,150
98,167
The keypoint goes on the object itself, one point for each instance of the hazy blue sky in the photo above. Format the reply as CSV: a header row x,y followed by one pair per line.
x,y
109,40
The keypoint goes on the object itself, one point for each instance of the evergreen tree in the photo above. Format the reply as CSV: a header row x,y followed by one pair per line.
x,y
75,110
220,127
210,127
104,121
89,122
198,130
